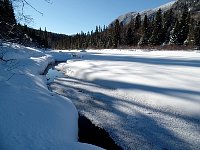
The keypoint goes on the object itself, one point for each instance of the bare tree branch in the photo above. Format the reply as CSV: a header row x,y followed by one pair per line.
x,y
24,3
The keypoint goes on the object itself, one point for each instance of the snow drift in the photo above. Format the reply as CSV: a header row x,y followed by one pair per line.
x,y
32,117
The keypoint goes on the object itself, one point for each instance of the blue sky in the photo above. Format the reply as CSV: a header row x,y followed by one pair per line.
x,y
73,16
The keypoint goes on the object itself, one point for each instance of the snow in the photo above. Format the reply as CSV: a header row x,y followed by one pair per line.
x,y
32,117
144,99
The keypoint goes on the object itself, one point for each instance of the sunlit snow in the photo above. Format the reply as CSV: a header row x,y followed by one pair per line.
x,y
144,99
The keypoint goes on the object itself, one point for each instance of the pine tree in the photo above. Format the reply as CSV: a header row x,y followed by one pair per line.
x,y
7,12
96,35
184,27
157,35
190,38
7,19
117,38
180,32
12,19
168,24
145,32
174,35
137,21
137,30
45,38
197,36
129,37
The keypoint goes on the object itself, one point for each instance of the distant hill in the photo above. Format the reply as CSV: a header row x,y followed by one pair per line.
x,y
177,6
126,18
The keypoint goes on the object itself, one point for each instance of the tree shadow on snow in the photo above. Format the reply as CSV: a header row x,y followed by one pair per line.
x,y
142,128
145,60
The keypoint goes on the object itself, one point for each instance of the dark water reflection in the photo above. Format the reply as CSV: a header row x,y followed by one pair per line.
x,y
51,73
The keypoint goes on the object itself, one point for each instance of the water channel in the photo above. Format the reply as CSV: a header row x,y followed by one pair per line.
x,y
88,132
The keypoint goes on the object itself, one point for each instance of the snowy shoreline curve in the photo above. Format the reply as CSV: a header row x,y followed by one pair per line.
x,y
32,117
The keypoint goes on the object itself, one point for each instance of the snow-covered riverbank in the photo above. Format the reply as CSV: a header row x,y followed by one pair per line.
x,y
145,100
32,117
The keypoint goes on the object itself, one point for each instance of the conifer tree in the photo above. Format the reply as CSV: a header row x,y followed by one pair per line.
x,y
180,32
197,35
7,19
45,38
168,24
137,30
11,14
138,21
175,34
129,37
117,38
7,12
157,35
110,42
184,26
145,32
190,38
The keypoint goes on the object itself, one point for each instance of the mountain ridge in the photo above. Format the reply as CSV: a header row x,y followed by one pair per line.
x,y
126,18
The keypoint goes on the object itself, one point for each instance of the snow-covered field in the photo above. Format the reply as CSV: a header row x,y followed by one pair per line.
x,y
32,117
144,99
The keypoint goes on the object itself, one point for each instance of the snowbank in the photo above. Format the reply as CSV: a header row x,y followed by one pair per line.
x,y
32,117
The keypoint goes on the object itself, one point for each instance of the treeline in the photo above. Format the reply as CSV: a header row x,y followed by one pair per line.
x,y
7,19
166,28
163,29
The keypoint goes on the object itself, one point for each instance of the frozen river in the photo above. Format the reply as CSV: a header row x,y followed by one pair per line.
x,y
144,100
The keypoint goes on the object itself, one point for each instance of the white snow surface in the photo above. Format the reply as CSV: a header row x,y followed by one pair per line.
x,y
126,18
144,99
32,117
